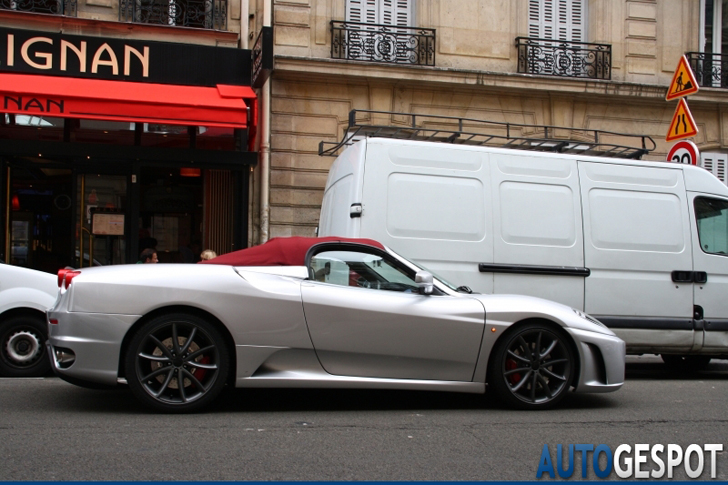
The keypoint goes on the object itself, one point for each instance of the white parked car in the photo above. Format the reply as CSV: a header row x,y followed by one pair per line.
x,y
318,312
25,295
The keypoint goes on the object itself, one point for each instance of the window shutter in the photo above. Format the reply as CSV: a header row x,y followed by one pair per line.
x,y
387,12
362,11
541,19
557,19
717,164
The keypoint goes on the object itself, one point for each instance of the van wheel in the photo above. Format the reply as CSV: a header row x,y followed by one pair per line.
x,y
532,367
686,363
177,363
22,346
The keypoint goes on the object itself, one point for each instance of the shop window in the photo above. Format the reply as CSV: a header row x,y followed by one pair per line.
x,y
28,127
99,131
171,219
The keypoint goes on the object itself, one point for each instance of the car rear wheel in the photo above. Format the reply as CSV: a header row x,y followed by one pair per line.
x,y
177,363
686,363
532,367
22,346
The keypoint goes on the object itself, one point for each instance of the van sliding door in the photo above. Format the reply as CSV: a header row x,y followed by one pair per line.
x,y
430,203
636,234
538,248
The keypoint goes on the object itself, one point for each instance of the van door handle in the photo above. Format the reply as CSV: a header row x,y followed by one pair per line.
x,y
682,276
689,276
700,277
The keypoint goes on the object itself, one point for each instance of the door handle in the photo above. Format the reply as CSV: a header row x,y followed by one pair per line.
x,y
689,276
682,276
700,277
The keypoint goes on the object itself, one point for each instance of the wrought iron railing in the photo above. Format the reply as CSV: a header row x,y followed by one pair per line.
x,y
201,14
359,41
566,59
468,131
53,7
711,70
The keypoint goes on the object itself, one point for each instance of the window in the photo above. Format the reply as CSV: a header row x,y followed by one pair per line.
x,y
360,269
713,25
382,31
385,12
557,19
712,218
717,164
713,42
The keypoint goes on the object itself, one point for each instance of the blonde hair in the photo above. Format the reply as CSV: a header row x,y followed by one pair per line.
x,y
208,254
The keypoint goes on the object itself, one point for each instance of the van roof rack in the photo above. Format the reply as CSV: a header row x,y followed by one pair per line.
x,y
468,131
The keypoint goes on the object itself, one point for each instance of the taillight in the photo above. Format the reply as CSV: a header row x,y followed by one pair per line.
x,y
65,276
61,275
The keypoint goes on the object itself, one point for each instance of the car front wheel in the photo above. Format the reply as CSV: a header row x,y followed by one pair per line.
x,y
22,346
532,367
177,363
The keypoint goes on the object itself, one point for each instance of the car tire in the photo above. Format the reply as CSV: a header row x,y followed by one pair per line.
x,y
524,379
22,346
686,363
178,378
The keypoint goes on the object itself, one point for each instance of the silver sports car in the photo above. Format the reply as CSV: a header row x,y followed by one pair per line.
x,y
318,312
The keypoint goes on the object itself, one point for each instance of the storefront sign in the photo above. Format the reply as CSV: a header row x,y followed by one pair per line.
x,y
31,52
262,57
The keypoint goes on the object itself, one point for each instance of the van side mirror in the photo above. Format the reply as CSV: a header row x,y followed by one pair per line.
x,y
424,281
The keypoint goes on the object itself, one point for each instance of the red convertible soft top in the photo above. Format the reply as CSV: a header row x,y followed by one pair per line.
x,y
281,251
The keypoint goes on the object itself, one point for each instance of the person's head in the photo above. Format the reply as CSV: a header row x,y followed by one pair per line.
x,y
149,255
208,254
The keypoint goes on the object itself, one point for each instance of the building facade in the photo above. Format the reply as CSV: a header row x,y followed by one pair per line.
x,y
144,162
124,125
581,64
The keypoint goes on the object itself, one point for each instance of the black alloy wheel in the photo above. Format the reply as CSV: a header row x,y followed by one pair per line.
x,y
177,363
532,367
22,346
686,363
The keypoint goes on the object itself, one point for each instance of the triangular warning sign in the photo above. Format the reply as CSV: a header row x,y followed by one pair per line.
x,y
682,124
683,81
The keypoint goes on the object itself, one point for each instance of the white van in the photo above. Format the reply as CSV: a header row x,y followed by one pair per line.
x,y
642,246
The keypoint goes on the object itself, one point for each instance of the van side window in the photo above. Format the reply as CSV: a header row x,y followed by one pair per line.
x,y
712,219
360,269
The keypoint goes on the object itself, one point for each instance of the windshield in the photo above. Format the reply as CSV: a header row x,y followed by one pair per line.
x,y
439,278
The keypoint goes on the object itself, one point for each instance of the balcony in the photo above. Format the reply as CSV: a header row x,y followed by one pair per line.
x,y
549,57
201,14
53,7
356,41
711,70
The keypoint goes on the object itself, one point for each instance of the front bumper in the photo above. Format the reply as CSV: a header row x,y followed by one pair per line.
x,y
602,359
95,339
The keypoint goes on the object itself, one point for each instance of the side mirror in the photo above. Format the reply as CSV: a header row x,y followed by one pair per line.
x,y
424,281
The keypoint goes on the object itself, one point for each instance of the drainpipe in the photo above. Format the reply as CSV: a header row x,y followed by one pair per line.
x,y
265,145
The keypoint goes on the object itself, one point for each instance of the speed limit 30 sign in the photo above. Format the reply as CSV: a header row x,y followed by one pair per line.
x,y
684,152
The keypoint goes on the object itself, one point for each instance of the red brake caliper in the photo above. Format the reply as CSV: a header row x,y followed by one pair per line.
x,y
200,373
515,377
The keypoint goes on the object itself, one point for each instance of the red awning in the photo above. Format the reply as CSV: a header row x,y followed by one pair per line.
x,y
95,99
